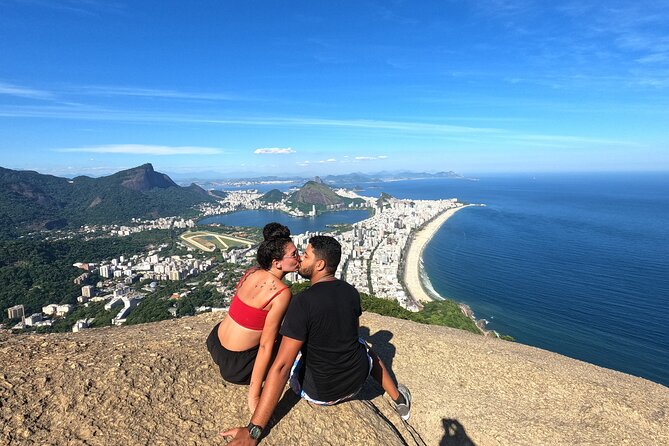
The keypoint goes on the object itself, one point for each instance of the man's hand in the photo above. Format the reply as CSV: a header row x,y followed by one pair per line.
x,y
240,437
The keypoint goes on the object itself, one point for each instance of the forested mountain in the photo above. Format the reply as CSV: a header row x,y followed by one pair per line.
x,y
313,193
318,195
273,196
30,200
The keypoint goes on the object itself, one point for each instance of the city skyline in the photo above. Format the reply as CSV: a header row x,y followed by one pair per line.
x,y
259,88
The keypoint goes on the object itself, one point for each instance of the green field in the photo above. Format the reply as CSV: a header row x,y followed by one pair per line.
x,y
209,241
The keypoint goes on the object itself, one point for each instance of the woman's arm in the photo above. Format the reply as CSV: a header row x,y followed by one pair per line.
x,y
276,381
267,339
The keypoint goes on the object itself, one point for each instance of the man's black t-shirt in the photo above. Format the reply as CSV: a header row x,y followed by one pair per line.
x,y
325,318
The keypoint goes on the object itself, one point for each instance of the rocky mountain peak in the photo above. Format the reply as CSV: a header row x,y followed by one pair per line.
x,y
143,178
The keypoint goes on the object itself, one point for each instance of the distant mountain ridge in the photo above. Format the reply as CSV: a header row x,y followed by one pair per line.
x,y
209,182
30,200
382,176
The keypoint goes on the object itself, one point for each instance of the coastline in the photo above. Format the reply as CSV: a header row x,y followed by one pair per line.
x,y
414,259
416,284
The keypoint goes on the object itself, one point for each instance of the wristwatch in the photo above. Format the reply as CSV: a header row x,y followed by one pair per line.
x,y
254,430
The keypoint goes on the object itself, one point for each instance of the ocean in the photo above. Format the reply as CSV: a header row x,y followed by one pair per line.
x,y
576,264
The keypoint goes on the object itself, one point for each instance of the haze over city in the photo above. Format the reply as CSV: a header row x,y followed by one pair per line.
x,y
309,88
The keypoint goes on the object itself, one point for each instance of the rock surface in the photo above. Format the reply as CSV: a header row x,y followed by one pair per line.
x,y
155,384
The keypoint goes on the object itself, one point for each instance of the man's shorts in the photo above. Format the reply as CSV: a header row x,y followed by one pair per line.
x,y
296,385
235,367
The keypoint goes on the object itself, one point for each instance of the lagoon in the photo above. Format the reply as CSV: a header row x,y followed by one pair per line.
x,y
297,225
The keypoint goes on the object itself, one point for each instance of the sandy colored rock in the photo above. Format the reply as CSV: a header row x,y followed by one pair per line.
x,y
155,384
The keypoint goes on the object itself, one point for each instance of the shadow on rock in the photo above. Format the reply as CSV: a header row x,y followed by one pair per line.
x,y
380,343
454,434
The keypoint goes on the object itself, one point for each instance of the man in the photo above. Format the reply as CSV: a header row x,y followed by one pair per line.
x,y
320,351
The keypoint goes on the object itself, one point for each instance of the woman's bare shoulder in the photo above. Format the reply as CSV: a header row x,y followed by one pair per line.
x,y
262,281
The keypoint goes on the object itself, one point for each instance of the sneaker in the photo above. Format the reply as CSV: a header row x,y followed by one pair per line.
x,y
404,409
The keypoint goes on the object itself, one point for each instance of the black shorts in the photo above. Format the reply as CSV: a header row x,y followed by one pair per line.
x,y
235,367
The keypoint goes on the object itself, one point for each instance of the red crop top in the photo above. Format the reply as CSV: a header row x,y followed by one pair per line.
x,y
247,316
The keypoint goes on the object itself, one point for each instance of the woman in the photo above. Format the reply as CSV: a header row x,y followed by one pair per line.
x,y
242,345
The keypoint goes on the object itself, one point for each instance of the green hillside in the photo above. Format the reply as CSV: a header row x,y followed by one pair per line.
x,y
273,196
30,200
319,195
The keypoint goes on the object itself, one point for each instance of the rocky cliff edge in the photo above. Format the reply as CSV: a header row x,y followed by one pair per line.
x,y
155,384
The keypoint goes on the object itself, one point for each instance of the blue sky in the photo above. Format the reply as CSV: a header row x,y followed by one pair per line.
x,y
302,87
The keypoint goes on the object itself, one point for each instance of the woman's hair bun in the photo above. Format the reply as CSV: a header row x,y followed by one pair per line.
x,y
275,230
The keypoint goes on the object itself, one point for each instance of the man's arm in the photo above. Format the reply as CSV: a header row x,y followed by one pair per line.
x,y
274,385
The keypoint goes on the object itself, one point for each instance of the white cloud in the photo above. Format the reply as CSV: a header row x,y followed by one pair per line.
x,y
81,7
370,158
308,163
156,93
654,58
274,151
23,92
79,112
141,149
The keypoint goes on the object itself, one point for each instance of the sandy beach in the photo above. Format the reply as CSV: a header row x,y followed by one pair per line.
x,y
413,259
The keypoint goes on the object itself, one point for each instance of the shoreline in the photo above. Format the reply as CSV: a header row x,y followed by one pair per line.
x,y
412,264
416,284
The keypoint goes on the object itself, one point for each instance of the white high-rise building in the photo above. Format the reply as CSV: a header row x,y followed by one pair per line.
x,y
105,271
87,291
16,312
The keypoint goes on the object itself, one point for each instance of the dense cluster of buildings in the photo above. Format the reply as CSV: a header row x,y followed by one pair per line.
x,y
88,232
374,249
140,225
114,287
153,267
234,201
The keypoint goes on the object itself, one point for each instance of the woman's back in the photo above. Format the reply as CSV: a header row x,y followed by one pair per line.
x,y
256,290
